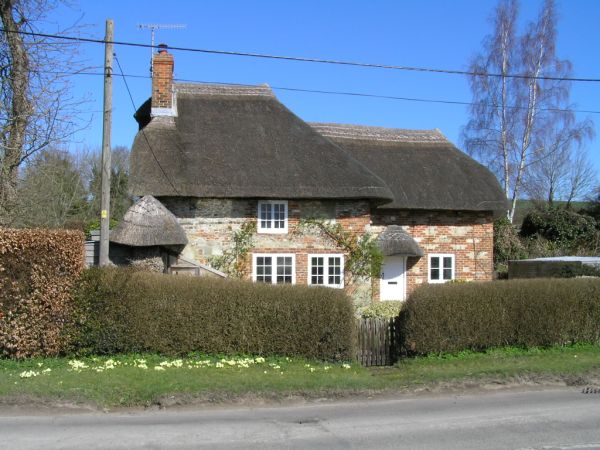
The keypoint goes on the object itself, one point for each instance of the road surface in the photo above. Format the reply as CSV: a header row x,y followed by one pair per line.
x,y
545,419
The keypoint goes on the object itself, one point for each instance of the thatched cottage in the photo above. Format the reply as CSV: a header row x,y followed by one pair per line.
x,y
221,157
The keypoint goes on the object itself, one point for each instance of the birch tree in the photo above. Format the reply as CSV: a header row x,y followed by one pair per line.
x,y
36,107
519,98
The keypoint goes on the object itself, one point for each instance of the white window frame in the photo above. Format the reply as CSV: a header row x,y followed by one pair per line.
x,y
441,256
326,257
272,230
274,257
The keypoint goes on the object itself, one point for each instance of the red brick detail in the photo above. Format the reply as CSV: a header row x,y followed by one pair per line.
x,y
162,80
468,235
210,225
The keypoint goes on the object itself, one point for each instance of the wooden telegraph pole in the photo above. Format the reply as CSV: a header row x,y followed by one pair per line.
x,y
107,119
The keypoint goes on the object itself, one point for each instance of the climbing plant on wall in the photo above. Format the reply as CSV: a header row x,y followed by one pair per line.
x,y
363,257
233,260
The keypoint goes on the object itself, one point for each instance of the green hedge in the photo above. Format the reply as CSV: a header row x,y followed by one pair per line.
x,y
127,311
477,316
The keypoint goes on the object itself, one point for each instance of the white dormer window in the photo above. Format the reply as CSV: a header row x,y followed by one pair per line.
x,y
272,216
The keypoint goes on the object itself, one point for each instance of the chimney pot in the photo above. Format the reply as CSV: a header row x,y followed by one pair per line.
x,y
162,48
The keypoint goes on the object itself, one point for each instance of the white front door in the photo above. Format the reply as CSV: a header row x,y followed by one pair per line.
x,y
393,281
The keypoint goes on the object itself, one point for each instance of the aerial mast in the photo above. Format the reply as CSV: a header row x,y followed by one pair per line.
x,y
158,26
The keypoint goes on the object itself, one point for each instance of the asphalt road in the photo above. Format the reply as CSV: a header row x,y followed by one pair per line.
x,y
548,419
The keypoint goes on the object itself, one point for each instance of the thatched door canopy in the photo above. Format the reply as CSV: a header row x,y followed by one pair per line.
x,y
395,241
148,223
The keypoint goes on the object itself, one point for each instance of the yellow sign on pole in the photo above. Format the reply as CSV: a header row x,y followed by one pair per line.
x,y
104,214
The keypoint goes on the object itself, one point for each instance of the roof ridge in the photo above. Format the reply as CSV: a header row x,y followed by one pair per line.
x,y
376,133
224,89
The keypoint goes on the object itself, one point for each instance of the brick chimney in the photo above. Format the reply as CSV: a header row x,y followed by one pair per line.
x,y
162,83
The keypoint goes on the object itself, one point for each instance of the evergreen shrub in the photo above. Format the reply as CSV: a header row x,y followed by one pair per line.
x,y
381,309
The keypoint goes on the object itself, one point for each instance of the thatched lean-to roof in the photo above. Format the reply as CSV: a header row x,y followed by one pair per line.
x,y
240,141
148,223
395,241
422,168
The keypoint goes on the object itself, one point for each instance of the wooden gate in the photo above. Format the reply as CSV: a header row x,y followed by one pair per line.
x,y
377,341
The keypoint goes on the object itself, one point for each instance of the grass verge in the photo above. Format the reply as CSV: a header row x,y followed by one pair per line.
x,y
144,380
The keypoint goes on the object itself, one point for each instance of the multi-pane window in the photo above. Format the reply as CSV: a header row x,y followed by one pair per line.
x,y
326,270
272,216
274,269
263,269
441,268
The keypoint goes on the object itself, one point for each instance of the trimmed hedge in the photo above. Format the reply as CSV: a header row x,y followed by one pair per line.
x,y
121,310
38,268
477,316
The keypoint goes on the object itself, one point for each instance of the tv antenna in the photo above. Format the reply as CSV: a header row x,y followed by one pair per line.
x,y
158,26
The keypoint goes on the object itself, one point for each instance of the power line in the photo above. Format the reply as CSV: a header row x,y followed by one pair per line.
x,y
311,60
142,130
346,93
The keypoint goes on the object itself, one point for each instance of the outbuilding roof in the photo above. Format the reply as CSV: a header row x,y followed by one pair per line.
x,y
422,168
148,223
240,141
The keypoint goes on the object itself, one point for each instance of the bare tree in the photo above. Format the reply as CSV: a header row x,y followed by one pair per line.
x,y
120,200
563,170
36,108
512,116
581,179
52,190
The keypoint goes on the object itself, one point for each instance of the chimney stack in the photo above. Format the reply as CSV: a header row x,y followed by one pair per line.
x,y
162,83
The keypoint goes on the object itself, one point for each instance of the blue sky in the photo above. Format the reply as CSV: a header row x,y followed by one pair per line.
x,y
433,33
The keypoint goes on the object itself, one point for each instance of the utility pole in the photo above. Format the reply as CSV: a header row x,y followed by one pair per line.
x,y
107,121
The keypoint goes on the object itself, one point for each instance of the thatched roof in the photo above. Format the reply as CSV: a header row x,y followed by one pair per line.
x,y
148,223
422,168
395,241
240,141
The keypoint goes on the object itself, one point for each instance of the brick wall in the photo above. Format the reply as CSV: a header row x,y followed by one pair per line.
x,y
211,223
468,235
162,80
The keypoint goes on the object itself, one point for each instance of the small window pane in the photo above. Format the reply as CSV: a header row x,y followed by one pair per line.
x,y
335,270
447,274
284,269
278,215
435,274
265,215
435,262
447,262
316,270
263,269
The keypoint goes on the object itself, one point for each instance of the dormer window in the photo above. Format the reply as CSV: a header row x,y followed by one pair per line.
x,y
272,216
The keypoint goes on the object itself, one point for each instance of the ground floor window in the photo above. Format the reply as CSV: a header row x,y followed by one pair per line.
x,y
274,268
326,270
441,268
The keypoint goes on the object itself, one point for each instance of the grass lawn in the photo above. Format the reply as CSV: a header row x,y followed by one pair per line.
x,y
140,380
